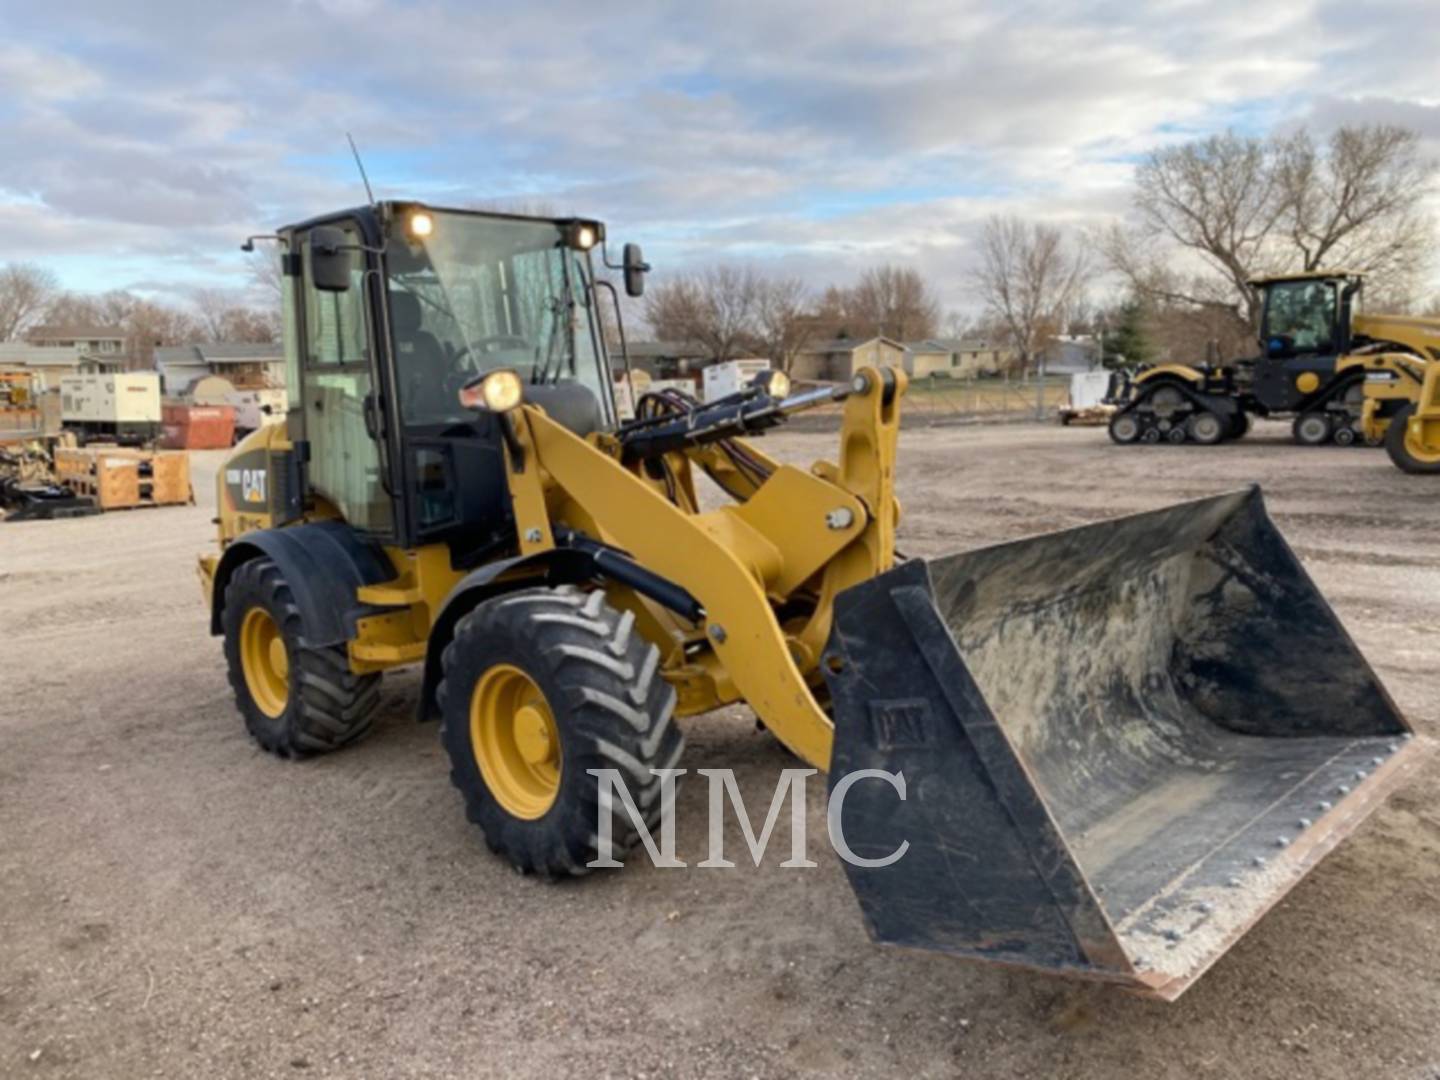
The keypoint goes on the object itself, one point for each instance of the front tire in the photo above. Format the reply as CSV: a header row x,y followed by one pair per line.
x,y
1402,449
540,686
296,701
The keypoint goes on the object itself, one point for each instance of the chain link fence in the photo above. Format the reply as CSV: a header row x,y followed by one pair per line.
x,y
940,399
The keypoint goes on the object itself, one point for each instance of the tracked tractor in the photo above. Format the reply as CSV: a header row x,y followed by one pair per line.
x,y
1316,356
1112,748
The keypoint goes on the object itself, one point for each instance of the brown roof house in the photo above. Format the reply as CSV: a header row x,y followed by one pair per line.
x,y
837,361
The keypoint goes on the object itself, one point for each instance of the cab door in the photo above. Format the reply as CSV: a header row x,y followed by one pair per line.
x,y
337,355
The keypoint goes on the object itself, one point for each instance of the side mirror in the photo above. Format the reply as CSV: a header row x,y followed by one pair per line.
x,y
635,270
329,259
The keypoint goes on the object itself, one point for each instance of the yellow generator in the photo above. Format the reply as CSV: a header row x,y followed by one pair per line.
x,y
1109,749
1317,362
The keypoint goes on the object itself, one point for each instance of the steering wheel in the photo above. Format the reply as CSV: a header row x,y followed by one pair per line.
x,y
493,343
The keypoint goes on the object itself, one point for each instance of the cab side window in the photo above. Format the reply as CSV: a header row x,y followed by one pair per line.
x,y
345,463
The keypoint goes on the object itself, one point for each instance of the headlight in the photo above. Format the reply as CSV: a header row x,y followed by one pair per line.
x,y
496,391
774,383
420,224
583,235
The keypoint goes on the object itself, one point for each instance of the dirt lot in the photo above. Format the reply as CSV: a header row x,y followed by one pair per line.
x,y
175,903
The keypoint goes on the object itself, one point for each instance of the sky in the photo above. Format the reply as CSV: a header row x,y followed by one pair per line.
x,y
143,141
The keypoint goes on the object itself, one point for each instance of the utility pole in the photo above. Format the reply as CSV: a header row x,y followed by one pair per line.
x,y
1040,385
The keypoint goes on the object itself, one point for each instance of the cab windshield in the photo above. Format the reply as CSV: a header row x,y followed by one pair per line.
x,y
1304,312
480,293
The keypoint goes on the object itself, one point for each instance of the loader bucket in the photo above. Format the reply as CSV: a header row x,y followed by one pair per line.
x,y
1120,743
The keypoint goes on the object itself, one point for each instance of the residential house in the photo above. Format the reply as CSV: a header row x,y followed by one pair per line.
x,y
54,361
246,366
663,359
1068,354
99,342
958,358
924,359
837,361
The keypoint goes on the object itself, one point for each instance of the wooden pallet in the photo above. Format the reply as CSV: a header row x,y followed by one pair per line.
x,y
119,478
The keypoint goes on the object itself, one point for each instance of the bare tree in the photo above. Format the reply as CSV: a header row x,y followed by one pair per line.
x,y
265,273
1027,276
892,301
1359,202
150,325
959,325
718,308
784,323
1245,207
25,292
211,307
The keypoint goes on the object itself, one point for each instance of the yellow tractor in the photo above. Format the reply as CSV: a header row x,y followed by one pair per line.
x,y
1112,748
1317,364
1412,430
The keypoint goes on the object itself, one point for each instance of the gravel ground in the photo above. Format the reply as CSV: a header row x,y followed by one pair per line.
x,y
175,903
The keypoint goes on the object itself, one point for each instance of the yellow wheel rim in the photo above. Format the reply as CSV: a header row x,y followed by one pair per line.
x,y
1418,441
516,741
265,662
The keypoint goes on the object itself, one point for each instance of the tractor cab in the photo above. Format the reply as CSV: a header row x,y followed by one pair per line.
x,y
1304,329
390,310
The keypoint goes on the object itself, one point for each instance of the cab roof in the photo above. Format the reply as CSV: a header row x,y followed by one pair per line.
x,y
367,215
1307,275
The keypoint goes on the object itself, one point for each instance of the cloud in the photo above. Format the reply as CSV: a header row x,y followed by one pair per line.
x,y
819,136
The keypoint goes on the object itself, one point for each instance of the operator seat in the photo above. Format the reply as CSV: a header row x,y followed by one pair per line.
x,y
425,365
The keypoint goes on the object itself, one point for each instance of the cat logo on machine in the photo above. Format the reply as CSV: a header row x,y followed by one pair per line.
x,y
251,483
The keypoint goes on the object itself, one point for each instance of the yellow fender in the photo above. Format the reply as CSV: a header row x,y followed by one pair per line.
x,y
1183,371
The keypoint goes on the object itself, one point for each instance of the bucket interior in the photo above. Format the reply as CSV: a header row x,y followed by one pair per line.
x,y
1183,702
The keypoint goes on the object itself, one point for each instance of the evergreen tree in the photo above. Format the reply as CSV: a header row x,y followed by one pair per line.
x,y
1128,344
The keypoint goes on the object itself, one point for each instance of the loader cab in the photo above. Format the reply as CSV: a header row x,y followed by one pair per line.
x,y
1304,329
390,311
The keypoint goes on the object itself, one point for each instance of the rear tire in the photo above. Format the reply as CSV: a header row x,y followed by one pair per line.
x,y
1239,425
1402,453
540,686
1312,429
296,701
1207,429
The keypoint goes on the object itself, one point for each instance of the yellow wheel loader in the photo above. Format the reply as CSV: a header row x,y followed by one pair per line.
x,y
1113,747
1317,365
1413,436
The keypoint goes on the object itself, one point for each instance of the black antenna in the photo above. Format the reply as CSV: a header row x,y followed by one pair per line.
x,y
361,166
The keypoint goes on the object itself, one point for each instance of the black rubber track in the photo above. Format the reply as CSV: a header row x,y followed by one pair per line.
x,y
329,706
612,707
